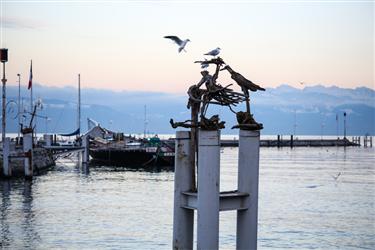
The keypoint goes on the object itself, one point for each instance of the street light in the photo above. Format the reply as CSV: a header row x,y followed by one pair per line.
x,y
3,59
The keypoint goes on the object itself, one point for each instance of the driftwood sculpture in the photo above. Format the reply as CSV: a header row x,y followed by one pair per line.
x,y
214,93
208,91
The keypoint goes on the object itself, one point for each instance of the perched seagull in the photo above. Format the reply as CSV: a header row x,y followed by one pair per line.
x,y
244,83
214,52
179,42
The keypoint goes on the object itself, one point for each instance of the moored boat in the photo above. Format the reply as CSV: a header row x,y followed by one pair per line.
x,y
141,153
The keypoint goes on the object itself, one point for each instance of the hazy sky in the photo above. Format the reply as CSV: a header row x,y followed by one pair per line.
x,y
120,45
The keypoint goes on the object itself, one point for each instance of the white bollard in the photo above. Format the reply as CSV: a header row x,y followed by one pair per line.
x,y
248,179
183,219
85,145
208,189
28,150
7,169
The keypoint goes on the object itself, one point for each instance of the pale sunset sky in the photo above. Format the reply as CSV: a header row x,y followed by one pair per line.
x,y
119,45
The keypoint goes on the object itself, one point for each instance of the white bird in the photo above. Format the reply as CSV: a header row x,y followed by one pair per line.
x,y
179,42
214,52
336,177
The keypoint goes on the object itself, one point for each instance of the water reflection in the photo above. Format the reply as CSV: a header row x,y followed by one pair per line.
x,y
17,215
31,236
5,205
301,205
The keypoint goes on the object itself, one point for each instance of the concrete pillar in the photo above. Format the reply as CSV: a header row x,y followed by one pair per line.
x,y
183,219
7,169
86,146
248,179
208,189
28,150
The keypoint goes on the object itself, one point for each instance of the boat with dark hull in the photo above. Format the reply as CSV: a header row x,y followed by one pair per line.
x,y
131,157
143,153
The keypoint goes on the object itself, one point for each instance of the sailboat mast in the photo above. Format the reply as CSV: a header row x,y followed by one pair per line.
x,y
145,123
79,105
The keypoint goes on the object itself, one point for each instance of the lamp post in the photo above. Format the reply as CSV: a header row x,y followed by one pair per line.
x,y
19,106
3,59
344,125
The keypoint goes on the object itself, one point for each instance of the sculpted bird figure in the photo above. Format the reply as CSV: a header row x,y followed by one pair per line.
x,y
244,83
181,43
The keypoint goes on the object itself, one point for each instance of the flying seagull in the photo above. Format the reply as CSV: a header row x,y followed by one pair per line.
x,y
214,52
179,42
336,177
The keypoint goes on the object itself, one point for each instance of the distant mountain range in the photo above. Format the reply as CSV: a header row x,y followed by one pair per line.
x,y
282,110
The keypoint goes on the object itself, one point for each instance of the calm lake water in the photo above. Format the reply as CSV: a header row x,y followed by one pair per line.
x,y
301,205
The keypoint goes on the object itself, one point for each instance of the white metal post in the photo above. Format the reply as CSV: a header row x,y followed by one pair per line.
x,y
248,179
7,170
85,145
28,150
183,219
208,189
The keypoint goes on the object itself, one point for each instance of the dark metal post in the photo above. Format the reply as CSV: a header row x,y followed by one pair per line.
x,y
4,59
278,141
291,141
345,128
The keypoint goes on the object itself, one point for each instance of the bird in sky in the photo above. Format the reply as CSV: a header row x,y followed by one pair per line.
x,y
179,42
214,52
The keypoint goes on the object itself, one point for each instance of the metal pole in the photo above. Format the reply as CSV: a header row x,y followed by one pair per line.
x,y
208,189
3,121
31,94
85,145
145,124
28,150
183,219
7,170
344,125
337,126
19,107
79,104
295,122
248,179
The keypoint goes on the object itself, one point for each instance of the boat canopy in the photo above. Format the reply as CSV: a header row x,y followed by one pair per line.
x,y
77,132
